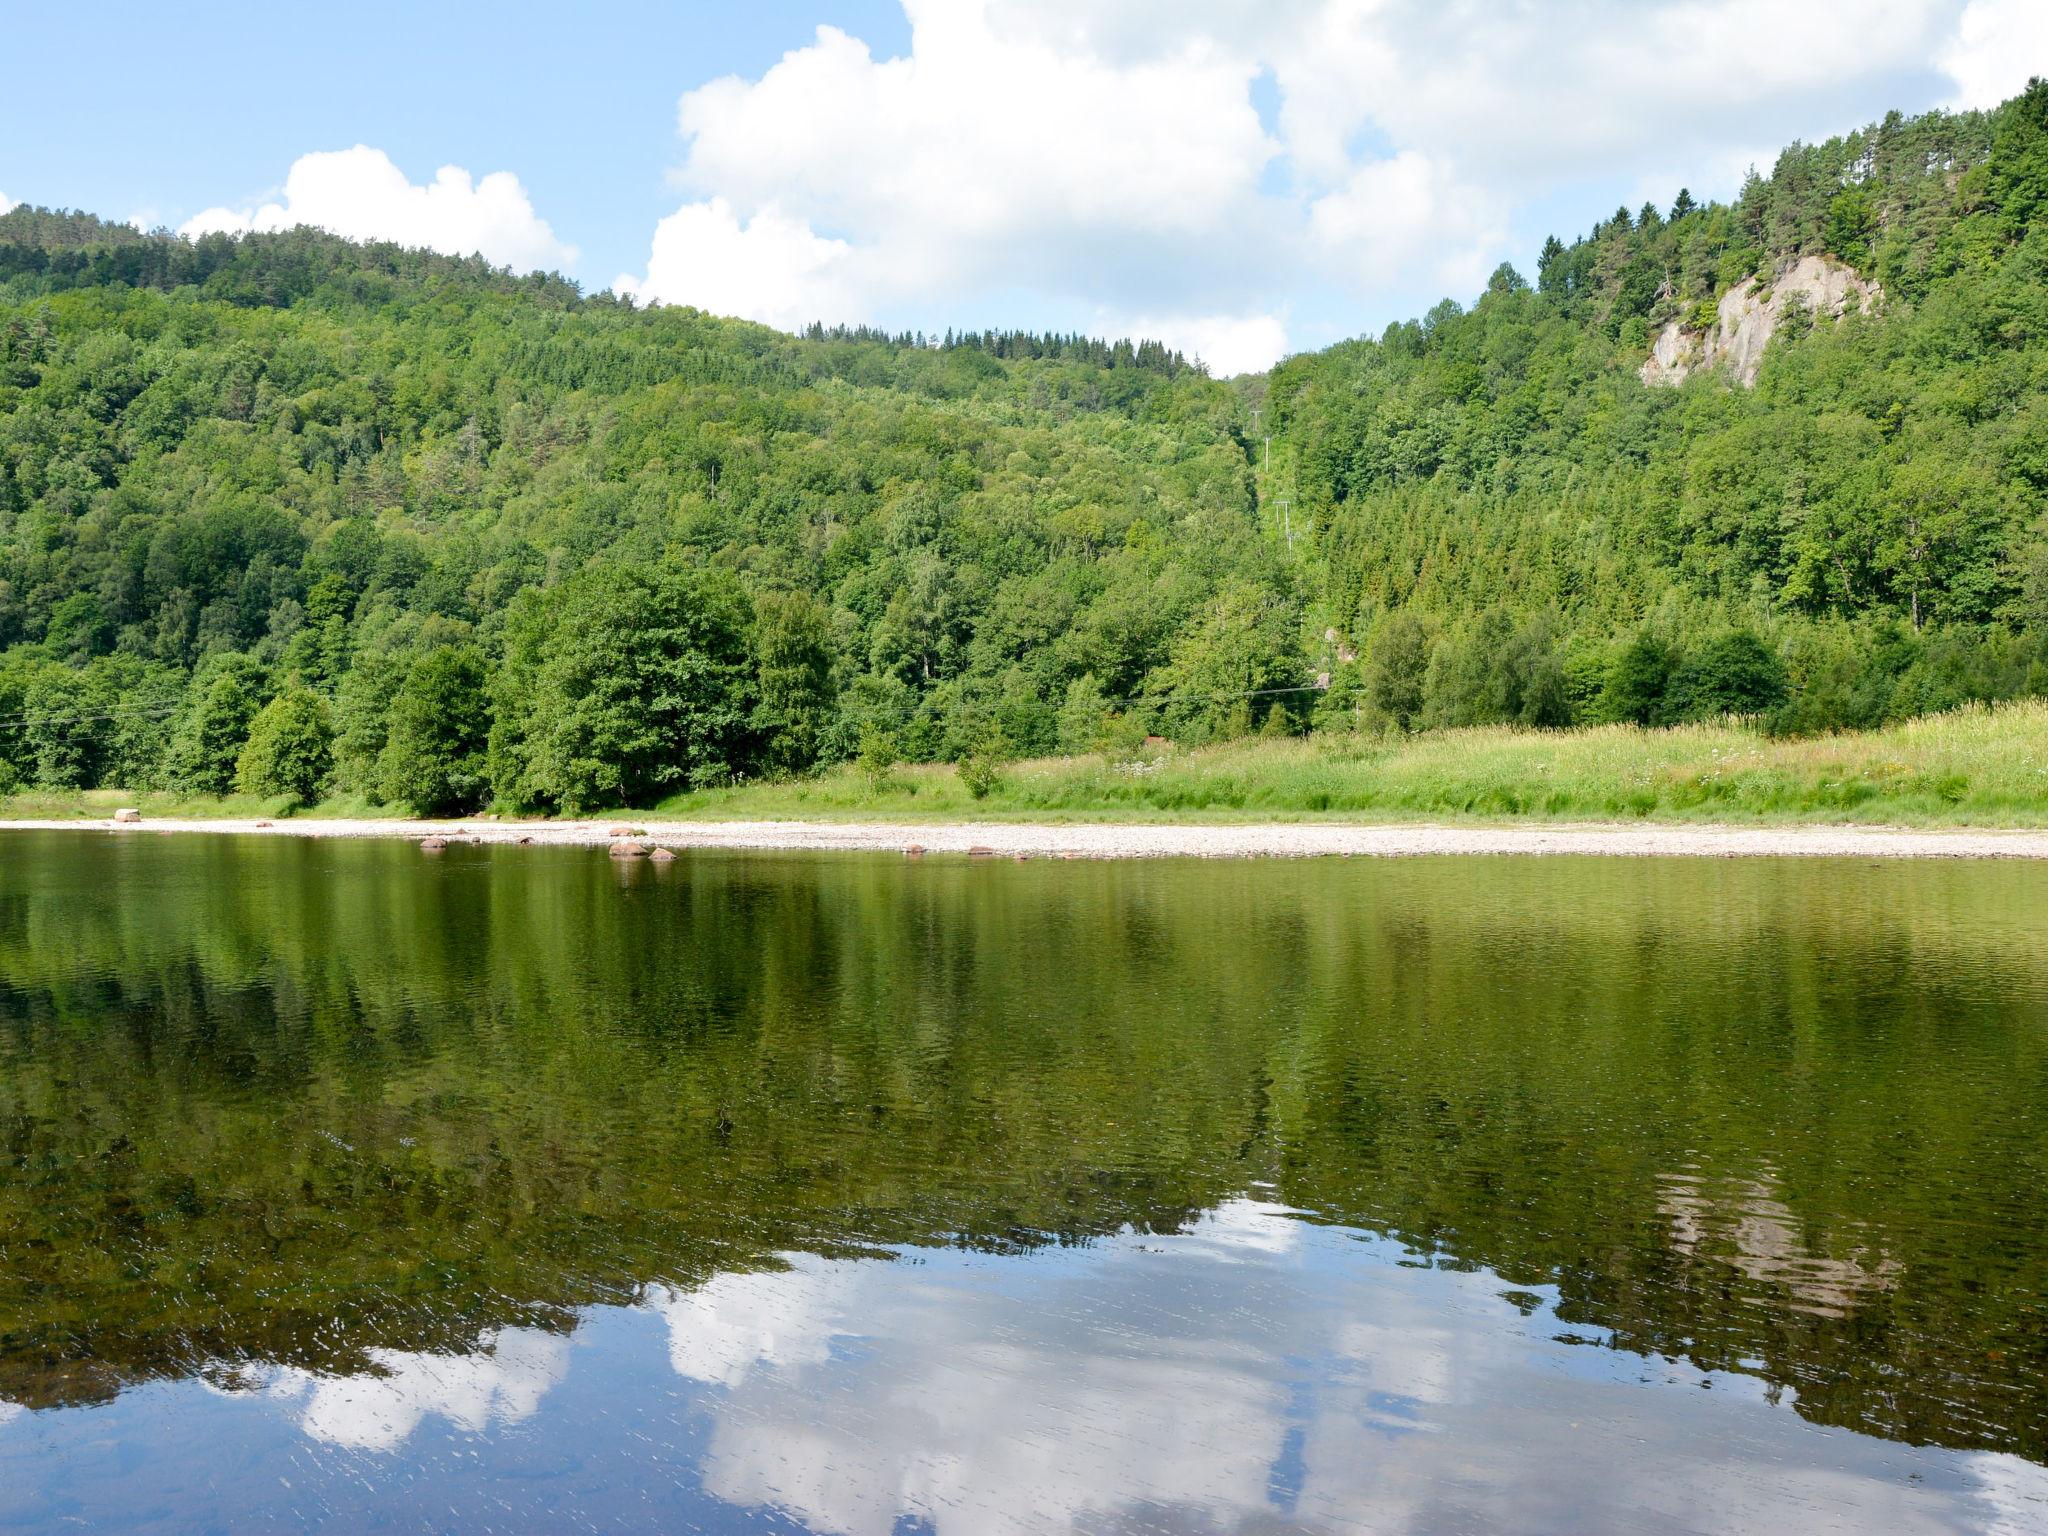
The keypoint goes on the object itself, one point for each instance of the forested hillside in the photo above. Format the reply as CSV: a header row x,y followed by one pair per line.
x,y
1513,525
310,516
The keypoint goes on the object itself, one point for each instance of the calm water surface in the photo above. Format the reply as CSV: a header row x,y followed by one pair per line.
x,y
512,1190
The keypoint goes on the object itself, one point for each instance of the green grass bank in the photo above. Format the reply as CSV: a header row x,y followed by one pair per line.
x,y
1975,767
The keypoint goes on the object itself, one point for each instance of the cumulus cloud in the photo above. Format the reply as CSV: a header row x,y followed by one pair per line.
x,y
993,156
359,193
769,267
1998,46
6,202
1085,161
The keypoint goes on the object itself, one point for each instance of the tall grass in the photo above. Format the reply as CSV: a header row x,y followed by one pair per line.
x,y
1985,766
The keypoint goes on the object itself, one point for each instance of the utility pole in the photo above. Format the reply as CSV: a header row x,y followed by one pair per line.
x,y
1286,506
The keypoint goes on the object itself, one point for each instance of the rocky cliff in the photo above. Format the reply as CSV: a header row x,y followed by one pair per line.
x,y
1749,315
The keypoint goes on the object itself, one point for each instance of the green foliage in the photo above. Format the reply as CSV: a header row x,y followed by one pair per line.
x,y
1397,669
981,768
1084,719
793,656
289,750
1637,679
433,758
877,758
1730,674
622,685
207,739
685,549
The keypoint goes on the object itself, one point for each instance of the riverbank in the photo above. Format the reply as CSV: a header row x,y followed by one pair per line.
x,y
1136,840
1972,768
1979,775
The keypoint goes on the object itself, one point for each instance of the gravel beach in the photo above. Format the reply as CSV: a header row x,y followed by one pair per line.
x,y
1141,840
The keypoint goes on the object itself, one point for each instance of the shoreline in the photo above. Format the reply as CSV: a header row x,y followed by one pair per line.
x,y
1137,840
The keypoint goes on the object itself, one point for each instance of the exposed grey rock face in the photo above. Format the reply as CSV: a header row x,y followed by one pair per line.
x,y
1749,315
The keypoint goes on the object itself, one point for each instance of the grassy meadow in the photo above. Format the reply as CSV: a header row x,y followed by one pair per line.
x,y
1976,767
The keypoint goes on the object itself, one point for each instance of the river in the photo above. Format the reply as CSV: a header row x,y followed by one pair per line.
x,y
353,1188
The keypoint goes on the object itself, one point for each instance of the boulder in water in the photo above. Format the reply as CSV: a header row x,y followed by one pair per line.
x,y
433,844
626,848
662,855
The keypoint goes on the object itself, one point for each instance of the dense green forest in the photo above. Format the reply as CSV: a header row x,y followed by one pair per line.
x,y
303,516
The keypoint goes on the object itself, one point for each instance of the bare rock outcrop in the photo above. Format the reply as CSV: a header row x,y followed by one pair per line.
x,y
1749,315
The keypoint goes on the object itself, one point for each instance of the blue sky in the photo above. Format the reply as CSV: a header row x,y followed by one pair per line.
x,y
1244,180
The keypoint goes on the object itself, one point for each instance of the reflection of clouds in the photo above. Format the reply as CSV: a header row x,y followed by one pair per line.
x,y
8,1410
2016,1491
1253,1372
502,1383
1412,1362
967,1411
1256,1372
718,1332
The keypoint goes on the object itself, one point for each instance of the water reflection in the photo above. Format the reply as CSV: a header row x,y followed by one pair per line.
x,y
1256,1372
489,1193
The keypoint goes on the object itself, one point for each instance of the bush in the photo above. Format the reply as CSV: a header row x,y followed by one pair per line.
x,y
793,670
1637,680
1396,668
981,770
621,686
289,749
876,758
1732,674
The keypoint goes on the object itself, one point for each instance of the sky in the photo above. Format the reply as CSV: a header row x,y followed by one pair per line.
x,y
1240,179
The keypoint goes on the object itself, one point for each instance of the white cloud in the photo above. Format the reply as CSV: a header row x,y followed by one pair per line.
x,y
1074,161
1998,46
6,202
841,187
359,193
1228,344
1392,214
770,267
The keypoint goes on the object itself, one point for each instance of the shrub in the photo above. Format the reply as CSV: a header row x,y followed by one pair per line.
x,y
1637,680
876,758
981,770
1732,674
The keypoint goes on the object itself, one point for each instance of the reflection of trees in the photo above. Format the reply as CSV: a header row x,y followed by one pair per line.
x,y
295,1103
